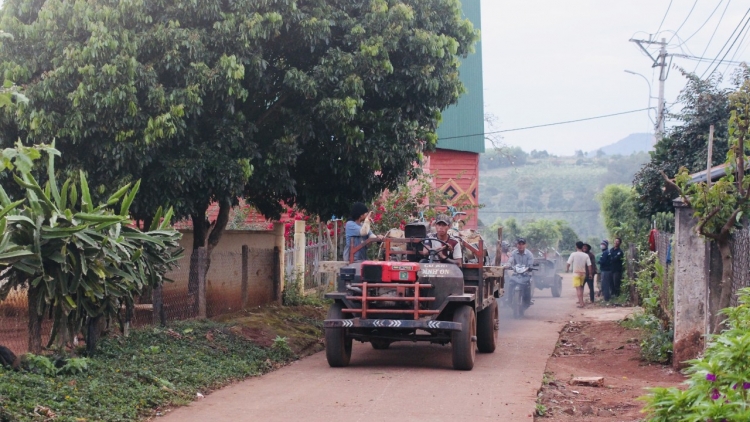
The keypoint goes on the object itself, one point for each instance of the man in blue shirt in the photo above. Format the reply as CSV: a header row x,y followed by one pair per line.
x,y
605,266
617,258
357,230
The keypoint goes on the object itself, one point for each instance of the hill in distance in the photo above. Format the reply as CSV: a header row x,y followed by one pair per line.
x,y
635,142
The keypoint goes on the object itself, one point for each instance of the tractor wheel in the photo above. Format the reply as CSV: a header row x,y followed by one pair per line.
x,y
338,345
463,342
557,287
380,344
487,328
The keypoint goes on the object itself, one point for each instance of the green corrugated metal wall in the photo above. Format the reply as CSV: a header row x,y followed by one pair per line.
x,y
467,116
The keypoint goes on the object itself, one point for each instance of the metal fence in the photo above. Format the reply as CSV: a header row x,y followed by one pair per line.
x,y
314,253
234,280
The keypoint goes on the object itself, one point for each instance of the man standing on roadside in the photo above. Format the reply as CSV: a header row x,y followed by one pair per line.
x,y
598,279
617,258
605,266
592,273
581,264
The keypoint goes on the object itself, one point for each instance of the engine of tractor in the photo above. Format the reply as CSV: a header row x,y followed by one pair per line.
x,y
401,275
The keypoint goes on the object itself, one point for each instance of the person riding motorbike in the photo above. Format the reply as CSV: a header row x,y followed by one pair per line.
x,y
448,248
522,256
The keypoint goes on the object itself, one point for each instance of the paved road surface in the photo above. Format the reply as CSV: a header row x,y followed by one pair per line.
x,y
408,382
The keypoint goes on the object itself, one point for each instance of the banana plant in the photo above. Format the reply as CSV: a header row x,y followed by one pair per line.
x,y
80,261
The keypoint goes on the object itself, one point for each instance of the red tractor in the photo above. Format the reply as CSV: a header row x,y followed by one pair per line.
x,y
382,302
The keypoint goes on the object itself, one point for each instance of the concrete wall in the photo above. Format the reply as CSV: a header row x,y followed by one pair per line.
x,y
692,260
223,282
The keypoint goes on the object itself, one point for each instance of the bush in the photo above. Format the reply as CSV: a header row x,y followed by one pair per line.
x,y
719,384
656,342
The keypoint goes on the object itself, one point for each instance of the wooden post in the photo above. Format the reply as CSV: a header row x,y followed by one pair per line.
x,y
244,287
157,297
276,274
710,156
280,269
499,250
202,312
299,253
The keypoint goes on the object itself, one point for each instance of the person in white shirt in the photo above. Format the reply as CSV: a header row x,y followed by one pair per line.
x,y
581,264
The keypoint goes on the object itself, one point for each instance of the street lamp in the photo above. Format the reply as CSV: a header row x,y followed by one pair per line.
x,y
649,92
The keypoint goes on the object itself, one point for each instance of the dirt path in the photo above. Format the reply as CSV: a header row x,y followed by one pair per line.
x,y
408,382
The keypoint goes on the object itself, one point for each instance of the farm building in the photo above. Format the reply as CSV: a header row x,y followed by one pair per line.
x,y
455,163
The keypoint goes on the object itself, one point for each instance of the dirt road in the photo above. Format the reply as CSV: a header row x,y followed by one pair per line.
x,y
408,382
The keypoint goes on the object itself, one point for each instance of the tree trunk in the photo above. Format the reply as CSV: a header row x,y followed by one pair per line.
x,y
93,331
727,284
206,234
35,320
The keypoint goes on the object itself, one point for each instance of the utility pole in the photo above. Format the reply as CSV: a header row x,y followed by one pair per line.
x,y
661,62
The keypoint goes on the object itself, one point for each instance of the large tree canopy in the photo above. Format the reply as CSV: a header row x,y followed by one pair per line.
x,y
316,103
704,103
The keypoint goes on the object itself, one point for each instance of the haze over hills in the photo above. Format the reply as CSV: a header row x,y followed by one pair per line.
x,y
635,142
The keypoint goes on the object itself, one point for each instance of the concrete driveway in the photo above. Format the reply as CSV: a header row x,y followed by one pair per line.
x,y
408,382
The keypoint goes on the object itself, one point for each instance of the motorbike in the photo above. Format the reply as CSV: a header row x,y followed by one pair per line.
x,y
518,289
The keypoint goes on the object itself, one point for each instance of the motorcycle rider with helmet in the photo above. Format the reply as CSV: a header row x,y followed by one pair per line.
x,y
522,256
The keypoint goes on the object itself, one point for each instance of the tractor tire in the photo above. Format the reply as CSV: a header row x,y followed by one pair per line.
x,y
463,344
557,287
338,345
380,344
487,328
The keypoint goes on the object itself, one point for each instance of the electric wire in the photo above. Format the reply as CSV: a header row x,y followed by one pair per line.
x,y
721,18
702,25
706,59
683,22
733,42
727,42
539,212
665,17
547,124
737,50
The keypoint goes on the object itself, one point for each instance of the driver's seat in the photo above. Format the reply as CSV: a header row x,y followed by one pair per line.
x,y
415,230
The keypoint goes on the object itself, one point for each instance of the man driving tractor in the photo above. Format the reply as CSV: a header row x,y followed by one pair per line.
x,y
448,248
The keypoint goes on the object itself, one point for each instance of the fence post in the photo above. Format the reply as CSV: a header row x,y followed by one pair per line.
x,y
245,259
277,262
499,250
157,298
201,282
299,252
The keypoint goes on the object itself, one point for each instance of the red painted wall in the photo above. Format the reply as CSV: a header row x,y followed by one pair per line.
x,y
457,174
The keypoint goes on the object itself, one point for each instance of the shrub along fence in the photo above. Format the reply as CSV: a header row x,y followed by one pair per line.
x,y
235,279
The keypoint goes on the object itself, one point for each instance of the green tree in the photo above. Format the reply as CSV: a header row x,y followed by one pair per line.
x,y
620,213
568,236
542,234
314,104
705,102
720,206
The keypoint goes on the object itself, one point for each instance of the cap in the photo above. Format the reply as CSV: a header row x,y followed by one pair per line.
x,y
521,240
442,218
605,242
586,244
358,209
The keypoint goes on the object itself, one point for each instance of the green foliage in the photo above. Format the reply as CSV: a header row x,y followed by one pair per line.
x,y
313,104
281,348
620,213
503,157
80,260
541,410
542,234
704,102
294,293
656,340
719,384
125,383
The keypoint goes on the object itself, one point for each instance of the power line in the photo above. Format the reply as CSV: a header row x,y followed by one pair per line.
x,y
721,18
683,22
727,42
706,59
538,212
704,24
737,50
546,124
665,17
733,42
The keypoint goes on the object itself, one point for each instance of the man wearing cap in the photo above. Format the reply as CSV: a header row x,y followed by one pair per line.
x,y
605,266
357,231
522,256
450,250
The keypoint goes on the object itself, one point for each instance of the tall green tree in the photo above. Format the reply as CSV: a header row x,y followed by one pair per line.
x,y
313,103
620,213
705,102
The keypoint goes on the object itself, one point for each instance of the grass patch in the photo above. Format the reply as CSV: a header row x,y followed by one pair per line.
x,y
132,378
656,343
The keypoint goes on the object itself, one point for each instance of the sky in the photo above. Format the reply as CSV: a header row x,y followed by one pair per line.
x,y
547,61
